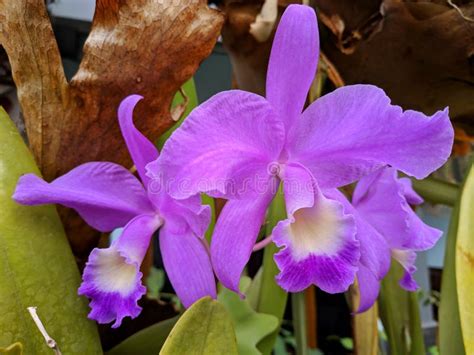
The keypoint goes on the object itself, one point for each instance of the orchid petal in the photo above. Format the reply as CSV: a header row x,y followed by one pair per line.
x,y
112,277
223,147
318,238
187,264
380,200
407,259
374,249
355,130
369,288
293,62
141,149
106,195
182,214
235,234
410,194
374,261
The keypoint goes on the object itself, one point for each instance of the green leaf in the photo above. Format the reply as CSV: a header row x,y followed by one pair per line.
x,y
273,298
400,314
147,341
250,326
14,349
465,262
37,267
450,336
205,328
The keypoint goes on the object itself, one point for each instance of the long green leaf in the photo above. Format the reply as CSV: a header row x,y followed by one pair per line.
x,y
205,328
273,298
465,262
147,341
37,267
450,336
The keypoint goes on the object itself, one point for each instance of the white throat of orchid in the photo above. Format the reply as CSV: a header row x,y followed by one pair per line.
x,y
318,230
113,273
117,268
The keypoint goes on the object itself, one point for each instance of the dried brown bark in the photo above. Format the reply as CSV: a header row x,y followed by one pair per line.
x,y
141,47
420,52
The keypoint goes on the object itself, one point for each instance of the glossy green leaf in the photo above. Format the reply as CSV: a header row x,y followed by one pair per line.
x,y
273,298
205,328
450,336
465,262
250,326
37,267
147,341
400,314
14,349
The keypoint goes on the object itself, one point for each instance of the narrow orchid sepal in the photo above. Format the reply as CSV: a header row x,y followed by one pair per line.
x,y
141,149
188,265
106,195
242,218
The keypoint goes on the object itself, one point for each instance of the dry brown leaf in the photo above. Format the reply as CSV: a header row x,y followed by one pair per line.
x,y
144,47
420,53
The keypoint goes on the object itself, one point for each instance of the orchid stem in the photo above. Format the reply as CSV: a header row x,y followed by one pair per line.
x,y
263,243
437,191
299,322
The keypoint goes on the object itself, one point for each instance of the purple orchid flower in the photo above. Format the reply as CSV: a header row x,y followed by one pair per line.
x,y
240,146
108,196
386,225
